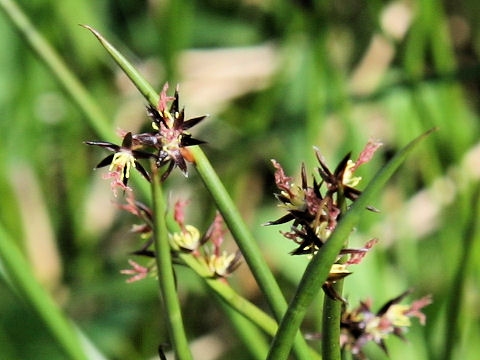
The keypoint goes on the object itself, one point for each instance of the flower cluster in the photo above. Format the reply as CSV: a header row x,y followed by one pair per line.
x,y
315,209
219,263
188,239
361,325
166,144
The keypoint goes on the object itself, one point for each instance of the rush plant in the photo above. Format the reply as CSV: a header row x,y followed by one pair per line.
x,y
322,210
323,214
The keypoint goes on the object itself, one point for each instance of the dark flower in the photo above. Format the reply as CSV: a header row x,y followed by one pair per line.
x,y
169,141
361,325
122,159
315,212
343,177
314,216
170,136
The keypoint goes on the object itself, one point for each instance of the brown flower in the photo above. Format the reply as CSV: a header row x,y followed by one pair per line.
x,y
361,325
122,159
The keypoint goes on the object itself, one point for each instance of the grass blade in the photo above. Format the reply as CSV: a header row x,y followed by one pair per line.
x,y
21,277
95,116
458,287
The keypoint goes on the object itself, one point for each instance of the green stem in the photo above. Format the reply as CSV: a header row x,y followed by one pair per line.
x,y
94,115
245,241
319,267
332,313
166,277
97,120
21,277
147,90
452,333
346,355
231,297
332,308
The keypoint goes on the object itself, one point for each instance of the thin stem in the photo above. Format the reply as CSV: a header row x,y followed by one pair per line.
x,y
332,308
319,267
96,117
332,313
452,333
166,277
346,355
21,277
245,241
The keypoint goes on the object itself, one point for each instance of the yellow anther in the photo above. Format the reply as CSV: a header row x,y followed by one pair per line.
x,y
219,264
188,239
123,160
396,314
337,272
348,178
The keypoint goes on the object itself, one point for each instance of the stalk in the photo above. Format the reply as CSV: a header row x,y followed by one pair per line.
x,y
22,279
457,296
166,277
332,313
332,308
40,46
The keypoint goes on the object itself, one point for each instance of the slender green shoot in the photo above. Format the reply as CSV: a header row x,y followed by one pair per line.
x,y
472,233
166,277
22,279
245,241
332,313
319,267
332,308
78,93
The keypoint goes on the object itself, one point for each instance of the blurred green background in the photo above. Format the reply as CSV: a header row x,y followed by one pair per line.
x,y
277,78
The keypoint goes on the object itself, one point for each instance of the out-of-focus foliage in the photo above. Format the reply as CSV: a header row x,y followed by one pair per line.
x,y
277,77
